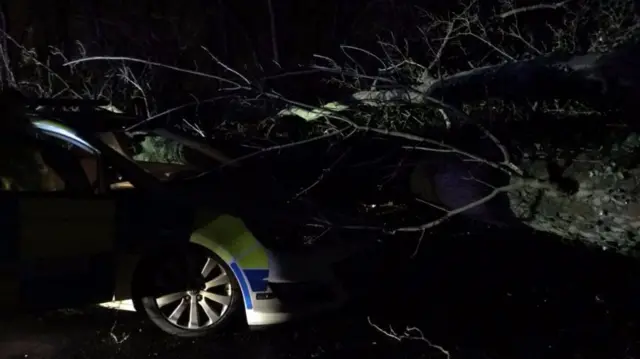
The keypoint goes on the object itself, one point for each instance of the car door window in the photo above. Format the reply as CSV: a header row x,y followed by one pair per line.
x,y
46,165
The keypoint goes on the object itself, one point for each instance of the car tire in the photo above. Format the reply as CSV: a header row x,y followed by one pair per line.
x,y
167,309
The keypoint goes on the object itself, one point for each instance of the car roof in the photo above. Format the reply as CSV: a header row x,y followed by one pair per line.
x,y
93,120
63,132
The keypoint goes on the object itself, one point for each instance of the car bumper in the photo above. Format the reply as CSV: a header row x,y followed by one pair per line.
x,y
294,301
302,284
351,273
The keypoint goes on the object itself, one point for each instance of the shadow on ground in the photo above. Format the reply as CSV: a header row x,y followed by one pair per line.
x,y
511,295
503,296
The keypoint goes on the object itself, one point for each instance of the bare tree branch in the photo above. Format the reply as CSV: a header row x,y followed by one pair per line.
x,y
157,64
532,8
410,333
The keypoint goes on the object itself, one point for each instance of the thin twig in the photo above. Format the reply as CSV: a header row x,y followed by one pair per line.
x,y
532,8
4,54
148,120
278,148
157,64
366,52
321,177
415,252
227,67
438,55
515,184
42,65
274,34
408,335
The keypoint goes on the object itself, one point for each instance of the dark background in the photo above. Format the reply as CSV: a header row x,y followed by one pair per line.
x,y
477,292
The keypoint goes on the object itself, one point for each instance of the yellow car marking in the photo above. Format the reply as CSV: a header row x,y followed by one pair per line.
x,y
230,238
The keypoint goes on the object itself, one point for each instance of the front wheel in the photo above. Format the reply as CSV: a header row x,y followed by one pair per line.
x,y
187,293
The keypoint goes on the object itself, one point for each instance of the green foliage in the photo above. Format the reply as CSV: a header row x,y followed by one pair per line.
x,y
159,149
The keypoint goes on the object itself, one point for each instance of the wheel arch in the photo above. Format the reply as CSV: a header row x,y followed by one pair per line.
x,y
226,236
230,238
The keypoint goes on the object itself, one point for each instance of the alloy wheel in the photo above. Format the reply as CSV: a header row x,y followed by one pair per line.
x,y
206,300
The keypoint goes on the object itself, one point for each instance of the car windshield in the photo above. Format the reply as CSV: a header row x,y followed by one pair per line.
x,y
165,154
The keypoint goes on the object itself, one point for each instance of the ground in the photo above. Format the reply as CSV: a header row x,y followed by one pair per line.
x,y
493,295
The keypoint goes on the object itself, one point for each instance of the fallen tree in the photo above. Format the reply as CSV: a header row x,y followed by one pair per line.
x,y
578,176
526,132
573,175
562,130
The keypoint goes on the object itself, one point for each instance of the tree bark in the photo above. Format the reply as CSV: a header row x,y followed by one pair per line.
x,y
604,80
604,208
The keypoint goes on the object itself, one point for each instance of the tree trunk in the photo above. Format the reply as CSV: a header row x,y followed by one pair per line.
x,y
602,209
590,163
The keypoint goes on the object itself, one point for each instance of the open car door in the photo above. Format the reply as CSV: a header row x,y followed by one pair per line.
x,y
60,251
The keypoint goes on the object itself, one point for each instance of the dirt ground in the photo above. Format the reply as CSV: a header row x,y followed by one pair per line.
x,y
504,296
98,333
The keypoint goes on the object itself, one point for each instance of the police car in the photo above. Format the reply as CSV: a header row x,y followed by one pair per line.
x,y
114,231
